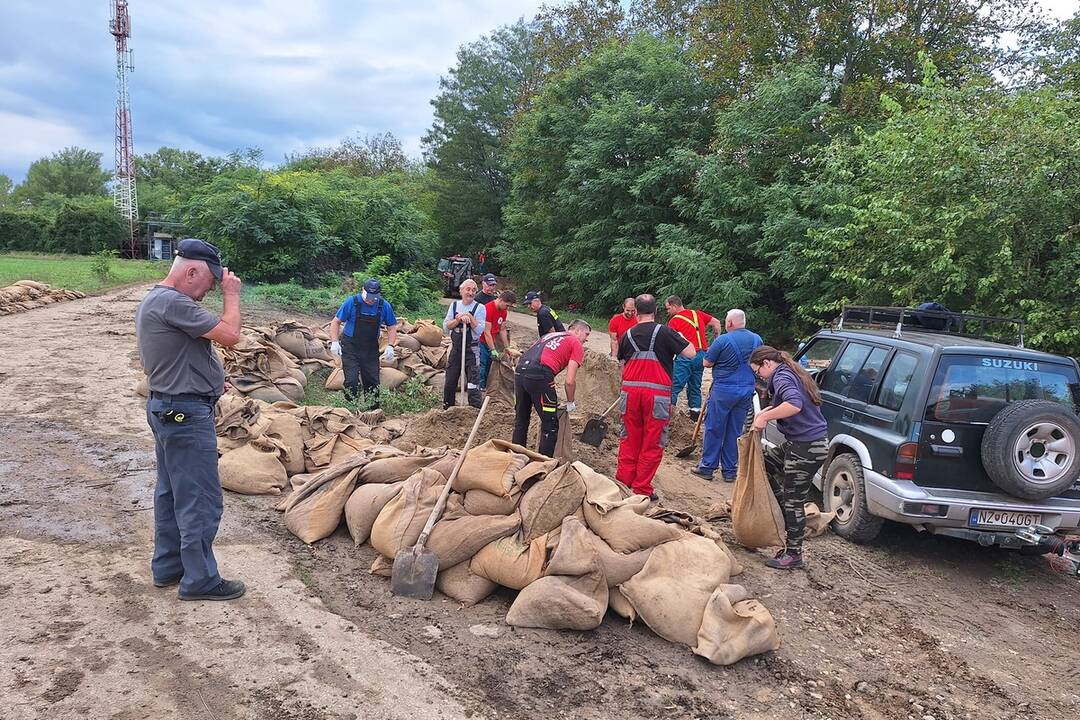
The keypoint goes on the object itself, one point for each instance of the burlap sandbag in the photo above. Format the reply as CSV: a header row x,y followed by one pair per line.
x,y
237,421
364,506
382,566
573,594
253,469
438,380
463,585
324,451
428,333
336,380
510,562
391,378
400,522
414,367
605,494
626,531
458,536
755,514
500,380
618,567
285,429
396,468
314,511
733,627
300,341
817,522
436,357
269,393
489,467
673,588
409,342
142,387
564,441
547,502
620,605
480,502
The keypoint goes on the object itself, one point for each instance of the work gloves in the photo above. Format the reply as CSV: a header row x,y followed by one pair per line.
x,y
388,353
335,348
495,354
571,406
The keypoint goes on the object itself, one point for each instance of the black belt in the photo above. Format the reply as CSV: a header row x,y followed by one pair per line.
x,y
184,397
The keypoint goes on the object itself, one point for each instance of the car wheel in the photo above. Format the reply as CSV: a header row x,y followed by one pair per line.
x,y
844,492
1030,449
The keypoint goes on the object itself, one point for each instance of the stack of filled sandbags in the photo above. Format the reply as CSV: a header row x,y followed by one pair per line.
x,y
27,295
421,352
573,542
259,368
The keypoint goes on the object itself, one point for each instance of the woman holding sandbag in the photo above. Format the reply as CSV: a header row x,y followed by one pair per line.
x,y
796,408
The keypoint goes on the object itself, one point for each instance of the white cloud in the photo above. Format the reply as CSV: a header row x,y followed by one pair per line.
x,y
29,138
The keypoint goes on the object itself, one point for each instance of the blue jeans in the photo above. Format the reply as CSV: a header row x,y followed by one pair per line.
x,y
687,374
724,421
187,499
485,364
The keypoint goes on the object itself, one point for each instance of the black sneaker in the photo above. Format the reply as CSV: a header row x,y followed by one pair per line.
x,y
729,478
786,560
694,415
225,590
169,582
654,497
701,472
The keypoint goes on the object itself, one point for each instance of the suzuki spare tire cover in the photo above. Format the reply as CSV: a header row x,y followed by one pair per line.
x,y
1030,449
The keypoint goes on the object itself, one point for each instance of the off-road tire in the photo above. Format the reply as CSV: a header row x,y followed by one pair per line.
x,y
860,526
1000,450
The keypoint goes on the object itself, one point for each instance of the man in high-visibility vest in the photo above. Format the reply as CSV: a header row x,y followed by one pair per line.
x,y
692,325
647,351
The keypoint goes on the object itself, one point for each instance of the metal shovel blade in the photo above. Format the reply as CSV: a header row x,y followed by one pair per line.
x,y
594,433
686,451
414,574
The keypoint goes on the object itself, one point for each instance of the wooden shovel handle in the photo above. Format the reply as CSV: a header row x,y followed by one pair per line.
x,y
437,511
697,427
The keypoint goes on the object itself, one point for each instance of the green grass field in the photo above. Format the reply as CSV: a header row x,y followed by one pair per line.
x,y
75,272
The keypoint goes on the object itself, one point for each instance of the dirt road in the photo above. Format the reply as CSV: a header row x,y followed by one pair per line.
x,y
911,627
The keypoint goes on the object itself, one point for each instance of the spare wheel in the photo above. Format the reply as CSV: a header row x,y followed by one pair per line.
x,y
1030,449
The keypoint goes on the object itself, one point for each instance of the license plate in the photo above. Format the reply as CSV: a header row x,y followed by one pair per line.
x,y
1003,518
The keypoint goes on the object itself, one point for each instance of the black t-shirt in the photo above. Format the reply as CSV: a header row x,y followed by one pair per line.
x,y
547,320
484,298
669,343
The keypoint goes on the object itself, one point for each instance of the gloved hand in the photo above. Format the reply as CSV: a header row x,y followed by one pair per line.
x,y
335,348
495,354
571,406
388,353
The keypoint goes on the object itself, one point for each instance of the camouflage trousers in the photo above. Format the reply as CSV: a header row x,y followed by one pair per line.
x,y
792,467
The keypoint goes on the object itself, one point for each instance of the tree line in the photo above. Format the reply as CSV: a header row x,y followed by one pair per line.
x,y
787,158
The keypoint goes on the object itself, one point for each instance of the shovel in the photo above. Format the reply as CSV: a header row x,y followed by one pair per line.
x,y
415,568
686,451
464,379
596,429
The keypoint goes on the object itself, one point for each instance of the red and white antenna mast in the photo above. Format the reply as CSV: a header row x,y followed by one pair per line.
x,y
124,196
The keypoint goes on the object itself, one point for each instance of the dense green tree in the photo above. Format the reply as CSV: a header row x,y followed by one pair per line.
x,y
5,191
370,156
86,225
23,230
599,166
466,146
971,198
71,172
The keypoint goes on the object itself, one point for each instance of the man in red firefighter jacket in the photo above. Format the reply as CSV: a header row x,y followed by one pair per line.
x,y
648,353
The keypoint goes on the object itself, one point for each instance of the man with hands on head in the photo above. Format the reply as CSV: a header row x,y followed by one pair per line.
x,y
354,337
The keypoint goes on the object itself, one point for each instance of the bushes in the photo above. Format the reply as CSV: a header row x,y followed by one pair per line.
x,y
86,226
23,230
408,291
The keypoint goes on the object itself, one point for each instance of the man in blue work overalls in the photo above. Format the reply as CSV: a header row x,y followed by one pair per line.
x,y
730,397
363,316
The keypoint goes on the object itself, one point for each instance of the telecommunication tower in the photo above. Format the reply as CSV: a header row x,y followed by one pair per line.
x,y
124,196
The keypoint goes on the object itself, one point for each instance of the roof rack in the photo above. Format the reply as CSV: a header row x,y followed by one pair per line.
x,y
932,321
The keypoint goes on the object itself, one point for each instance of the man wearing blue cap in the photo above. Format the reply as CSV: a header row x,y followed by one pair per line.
x,y
185,376
363,316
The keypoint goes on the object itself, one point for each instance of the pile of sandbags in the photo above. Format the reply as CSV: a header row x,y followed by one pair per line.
x,y
573,542
262,445
27,295
421,352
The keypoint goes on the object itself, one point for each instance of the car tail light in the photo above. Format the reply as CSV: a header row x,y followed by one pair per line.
x,y
926,509
906,457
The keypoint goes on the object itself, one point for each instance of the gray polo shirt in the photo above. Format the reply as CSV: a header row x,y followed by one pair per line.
x,y
169,327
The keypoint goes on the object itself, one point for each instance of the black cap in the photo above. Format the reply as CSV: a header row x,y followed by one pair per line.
x,y
532,295
489,279
195,249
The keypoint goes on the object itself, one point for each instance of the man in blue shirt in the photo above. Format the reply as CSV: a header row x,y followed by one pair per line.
x,y
363,317
730,397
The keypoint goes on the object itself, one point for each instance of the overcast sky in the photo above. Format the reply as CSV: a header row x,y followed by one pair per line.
x,y
217,75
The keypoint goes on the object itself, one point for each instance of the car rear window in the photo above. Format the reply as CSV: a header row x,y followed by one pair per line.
x,y
970,388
